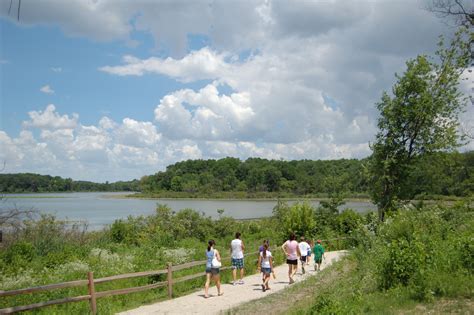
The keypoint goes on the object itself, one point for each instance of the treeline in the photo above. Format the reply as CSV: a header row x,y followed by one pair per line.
x,y
439,174
448,174
28,182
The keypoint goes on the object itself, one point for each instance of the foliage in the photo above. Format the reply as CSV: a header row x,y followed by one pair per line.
x,y
427,245
421,117
27,182
437,174
404,255
419,262
256,175
430,175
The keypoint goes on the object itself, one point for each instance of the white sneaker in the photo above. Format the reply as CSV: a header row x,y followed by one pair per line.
x,y
241,282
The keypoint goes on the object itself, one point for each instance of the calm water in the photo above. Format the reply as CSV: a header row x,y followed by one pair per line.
x,y
100,209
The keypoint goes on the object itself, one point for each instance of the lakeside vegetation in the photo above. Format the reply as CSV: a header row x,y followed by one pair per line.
x,y
419,254
421,259
35,183
433,175
45,250
436,176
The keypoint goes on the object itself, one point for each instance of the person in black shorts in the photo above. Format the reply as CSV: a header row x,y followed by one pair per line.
x,y
292,252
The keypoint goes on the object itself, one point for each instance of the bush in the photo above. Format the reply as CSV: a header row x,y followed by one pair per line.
x,y
19,254
298,218
427,249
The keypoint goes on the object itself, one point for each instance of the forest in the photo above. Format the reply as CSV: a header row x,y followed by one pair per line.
x,y
35,183
431,176
437,174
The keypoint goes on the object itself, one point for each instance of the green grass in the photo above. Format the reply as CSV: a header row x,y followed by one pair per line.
x,y
346,288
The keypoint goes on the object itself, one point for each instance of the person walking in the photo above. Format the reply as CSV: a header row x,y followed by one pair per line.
x,y
292,252
318,251
310,251
261,249
237,258
213,265
265,265
304,247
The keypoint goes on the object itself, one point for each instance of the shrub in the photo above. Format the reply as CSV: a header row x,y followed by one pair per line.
x,y
299,219
19,254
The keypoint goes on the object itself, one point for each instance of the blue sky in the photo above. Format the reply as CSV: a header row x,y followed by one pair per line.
x,y
43,55
108,90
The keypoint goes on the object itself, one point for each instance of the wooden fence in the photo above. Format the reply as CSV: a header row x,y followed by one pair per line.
x,y
91,282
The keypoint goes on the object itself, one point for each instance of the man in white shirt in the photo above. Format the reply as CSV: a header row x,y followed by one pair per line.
x,y
237,251
304,248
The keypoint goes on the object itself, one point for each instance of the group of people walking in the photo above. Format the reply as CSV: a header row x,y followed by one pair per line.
x,y
301,250
292,249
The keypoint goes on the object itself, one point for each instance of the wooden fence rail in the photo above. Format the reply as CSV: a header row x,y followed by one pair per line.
x,y
91,282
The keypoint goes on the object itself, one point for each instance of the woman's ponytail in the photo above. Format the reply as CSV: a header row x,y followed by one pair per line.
x,y
210,244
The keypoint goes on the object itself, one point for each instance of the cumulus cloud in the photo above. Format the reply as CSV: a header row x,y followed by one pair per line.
x,y
137,134
198,65
47,89
50,119
204,114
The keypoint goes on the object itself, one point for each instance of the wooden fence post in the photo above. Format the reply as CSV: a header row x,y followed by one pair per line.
x,y
170,280
90,276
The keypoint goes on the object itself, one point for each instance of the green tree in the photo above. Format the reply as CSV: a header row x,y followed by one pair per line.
x,y
421,117
298,218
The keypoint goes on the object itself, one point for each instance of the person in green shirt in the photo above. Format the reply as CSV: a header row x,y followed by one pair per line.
x,y
318,251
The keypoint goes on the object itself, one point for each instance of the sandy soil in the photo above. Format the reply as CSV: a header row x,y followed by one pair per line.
x,y
195,303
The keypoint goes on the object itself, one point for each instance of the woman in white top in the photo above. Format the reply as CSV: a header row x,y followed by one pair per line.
x,y
265,264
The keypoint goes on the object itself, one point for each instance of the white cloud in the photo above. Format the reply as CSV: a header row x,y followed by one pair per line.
x,y
198,65
56,69
136,134
47,89
107,123
50,119
204,114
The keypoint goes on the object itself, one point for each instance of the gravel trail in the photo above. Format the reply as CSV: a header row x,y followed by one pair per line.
x,y
195,303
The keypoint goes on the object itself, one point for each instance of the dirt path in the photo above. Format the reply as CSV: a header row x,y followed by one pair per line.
x,y
195,303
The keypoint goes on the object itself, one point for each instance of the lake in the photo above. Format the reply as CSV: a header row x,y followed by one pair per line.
x,y
102,208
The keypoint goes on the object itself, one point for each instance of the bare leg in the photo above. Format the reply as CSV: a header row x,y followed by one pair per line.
x,y
206,286
295,268
267,279
218,284
289,273
242,274
234,274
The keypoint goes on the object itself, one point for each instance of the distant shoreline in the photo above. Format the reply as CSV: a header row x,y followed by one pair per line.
x,y
348,199
141,196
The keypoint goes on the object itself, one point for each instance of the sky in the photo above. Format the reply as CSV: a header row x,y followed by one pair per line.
x,y
108,90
